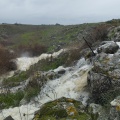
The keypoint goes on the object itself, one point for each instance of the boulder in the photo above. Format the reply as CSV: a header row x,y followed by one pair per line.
x,y
62,108
110,47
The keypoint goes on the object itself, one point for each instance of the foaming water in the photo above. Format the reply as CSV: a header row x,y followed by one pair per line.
x,y
71,85
23,63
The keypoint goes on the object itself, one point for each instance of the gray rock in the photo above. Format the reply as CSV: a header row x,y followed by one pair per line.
x,y
110,47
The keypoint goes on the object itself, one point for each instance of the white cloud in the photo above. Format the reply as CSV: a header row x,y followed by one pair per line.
x,y
60,11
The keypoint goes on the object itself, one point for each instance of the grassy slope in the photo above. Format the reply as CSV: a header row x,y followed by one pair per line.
x,y
49,35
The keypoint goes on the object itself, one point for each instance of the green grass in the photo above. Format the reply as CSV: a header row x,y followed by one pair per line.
x,y
16,79
42,34
10,99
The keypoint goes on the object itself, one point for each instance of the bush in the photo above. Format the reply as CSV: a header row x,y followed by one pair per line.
x,y
6,63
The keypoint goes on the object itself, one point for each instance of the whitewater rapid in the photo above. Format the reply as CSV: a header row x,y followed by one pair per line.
x,y
70,85
23,63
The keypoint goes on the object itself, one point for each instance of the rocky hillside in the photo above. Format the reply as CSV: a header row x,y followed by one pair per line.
x,y
80,81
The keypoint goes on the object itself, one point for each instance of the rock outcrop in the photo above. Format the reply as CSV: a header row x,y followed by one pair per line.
x,y
104,78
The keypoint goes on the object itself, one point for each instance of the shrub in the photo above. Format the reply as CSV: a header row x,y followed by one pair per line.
x,y
6,63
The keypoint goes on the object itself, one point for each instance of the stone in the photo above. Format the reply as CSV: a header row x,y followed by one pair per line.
x,y
110,47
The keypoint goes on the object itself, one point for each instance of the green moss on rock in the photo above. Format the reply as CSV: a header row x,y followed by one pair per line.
x,y
61,109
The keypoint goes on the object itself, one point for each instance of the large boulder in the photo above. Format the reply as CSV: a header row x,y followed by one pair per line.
x,y
109,48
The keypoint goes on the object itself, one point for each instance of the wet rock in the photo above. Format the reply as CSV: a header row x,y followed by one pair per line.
x,y
9,118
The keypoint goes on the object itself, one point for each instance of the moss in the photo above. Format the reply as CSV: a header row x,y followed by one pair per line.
x,y
56,110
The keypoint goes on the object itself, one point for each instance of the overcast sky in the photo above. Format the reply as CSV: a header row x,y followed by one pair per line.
x,y
58,11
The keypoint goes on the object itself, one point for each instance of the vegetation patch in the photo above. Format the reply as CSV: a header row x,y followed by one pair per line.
x,y
57,109
16,79
11,99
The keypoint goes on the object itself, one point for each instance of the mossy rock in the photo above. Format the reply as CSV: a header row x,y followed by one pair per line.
x,y
62,109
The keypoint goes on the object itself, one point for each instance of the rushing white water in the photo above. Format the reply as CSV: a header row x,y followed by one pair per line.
x,y
23,63
70,85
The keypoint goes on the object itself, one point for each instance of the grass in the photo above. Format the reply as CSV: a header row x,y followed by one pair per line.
x,y
16,79
11,99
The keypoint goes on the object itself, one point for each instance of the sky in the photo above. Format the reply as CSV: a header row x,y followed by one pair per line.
x,y
58,11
